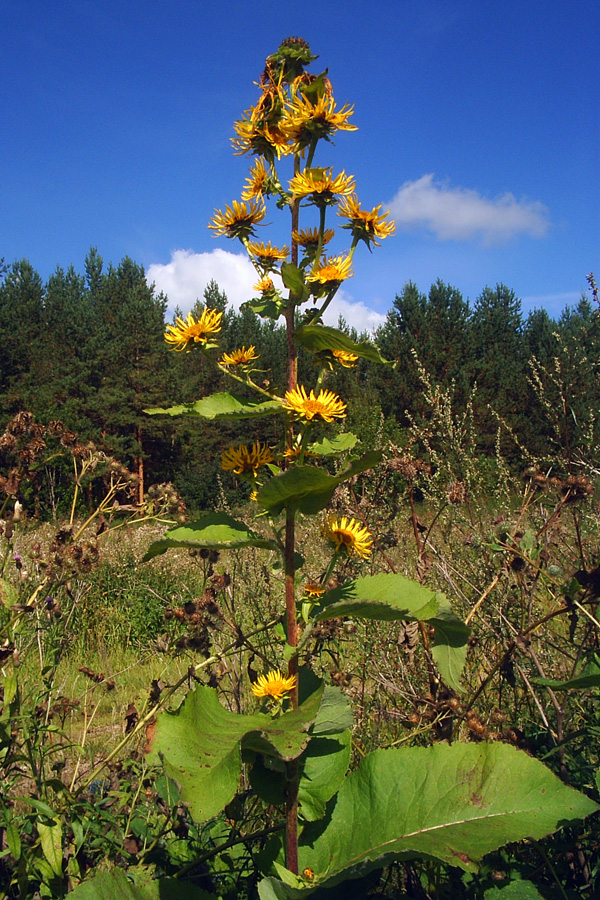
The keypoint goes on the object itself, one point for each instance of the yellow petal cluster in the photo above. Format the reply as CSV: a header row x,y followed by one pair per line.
x,y
238,220
349,534
332,270
254,135
306,121
193,331
239,357
264,285
321,186
327,405
274,684
243,459
308,238
345,358
311,589
257,184
266,254
367,225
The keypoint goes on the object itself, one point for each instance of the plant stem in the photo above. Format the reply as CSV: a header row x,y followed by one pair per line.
x,y
291,812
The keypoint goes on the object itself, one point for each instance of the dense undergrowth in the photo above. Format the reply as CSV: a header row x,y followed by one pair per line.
x,y
88,663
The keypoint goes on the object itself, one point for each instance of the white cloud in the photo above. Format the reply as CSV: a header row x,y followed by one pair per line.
x,y
184,278
461,213
356,314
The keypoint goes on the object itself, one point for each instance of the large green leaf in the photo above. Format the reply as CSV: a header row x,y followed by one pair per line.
x,y
221,406
308,488
454,803
323,764
324,767
514,890
330,446
115,885
315,338
216,531
589,677
389,597
201,745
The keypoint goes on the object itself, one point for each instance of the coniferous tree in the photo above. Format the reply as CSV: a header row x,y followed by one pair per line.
x,y
499,363
134,360
21,312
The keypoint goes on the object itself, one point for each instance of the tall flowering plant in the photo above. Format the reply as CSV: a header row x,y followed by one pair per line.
x,y
297,748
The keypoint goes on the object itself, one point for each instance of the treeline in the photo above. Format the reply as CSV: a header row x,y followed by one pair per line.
x,y
88,350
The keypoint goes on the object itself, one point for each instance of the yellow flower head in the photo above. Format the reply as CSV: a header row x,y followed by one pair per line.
x,y
307,121
258,182
239,357
321,186
192,331
264,285
332,270
313,590
294,451
327,405
348,533
308,238
345,358
265,254
273,684
237,221
243,459
256,136
366,226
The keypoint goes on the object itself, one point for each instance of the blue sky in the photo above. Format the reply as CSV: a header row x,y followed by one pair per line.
x,y
478,125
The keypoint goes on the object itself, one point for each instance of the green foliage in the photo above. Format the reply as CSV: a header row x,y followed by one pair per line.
x,y
316,338
393,597
307,488
222,406
452,803
202,745
116,886
216,531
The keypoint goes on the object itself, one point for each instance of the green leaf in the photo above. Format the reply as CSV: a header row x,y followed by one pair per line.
x,y
8,593
265,307
390,597
515,890
222,406
450,646
273,889
293,279
115,885
337,444
216,531
454,803
308,488
323,764
11,688
51,841
201,745
589,677
13,840
316,338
